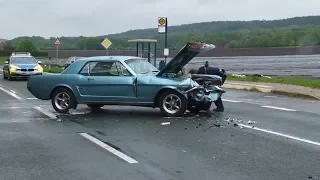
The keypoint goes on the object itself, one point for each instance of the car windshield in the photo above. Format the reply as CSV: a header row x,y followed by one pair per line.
x,y
141,66
23,60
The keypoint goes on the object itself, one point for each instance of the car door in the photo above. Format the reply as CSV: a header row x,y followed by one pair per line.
x,y
106,81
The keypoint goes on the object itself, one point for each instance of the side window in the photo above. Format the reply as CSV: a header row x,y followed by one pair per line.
x,y
104,69
85,70
118,69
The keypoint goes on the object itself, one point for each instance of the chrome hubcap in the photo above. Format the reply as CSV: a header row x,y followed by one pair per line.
x,y
171,103
62,100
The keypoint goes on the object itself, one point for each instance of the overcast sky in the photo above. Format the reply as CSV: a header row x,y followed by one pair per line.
x,y
48,18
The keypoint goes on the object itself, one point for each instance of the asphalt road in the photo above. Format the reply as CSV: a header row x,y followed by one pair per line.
x,y
37,143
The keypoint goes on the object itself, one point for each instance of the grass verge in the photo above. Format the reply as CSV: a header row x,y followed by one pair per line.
x,y
313,83
52,69
283,93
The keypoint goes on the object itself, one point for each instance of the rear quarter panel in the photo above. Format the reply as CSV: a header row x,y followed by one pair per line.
x,y
43,85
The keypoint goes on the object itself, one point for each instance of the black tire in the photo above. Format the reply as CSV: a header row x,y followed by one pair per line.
x,y
9,77
72,103
197,109
205,106
182,103
95,106
4,75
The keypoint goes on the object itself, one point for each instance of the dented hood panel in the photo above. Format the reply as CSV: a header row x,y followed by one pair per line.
x,y
184,56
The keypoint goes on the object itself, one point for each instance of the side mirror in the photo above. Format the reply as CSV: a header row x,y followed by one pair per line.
x,y
6,62
39,62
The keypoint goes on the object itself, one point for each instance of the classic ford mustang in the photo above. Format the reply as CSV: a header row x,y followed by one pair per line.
x,y
127,80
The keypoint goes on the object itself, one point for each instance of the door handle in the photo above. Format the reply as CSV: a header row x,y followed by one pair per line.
x,y
89,79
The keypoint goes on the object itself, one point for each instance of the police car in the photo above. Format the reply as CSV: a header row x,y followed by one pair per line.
x,y
21,65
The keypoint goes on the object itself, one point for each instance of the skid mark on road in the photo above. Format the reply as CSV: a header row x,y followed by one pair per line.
x,y
281,134
108,148
11,93
279,108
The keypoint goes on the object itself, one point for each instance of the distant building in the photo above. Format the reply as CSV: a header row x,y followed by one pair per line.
x,y
2,44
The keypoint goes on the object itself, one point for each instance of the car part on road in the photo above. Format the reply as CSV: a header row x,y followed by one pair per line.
x,y
63,100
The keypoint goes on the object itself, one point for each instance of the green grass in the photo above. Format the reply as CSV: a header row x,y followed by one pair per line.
x,y
313,83
52,69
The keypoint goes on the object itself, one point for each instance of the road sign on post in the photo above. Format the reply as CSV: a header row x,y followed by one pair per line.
x,y
163,28
106,43
57,43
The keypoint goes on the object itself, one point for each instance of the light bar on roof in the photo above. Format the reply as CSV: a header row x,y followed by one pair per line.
x,y
16,53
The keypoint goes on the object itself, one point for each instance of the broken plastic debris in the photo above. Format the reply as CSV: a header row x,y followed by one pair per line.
x,y
251,122
165,123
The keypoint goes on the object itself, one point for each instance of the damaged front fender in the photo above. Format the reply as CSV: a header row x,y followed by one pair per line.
x,y
196,92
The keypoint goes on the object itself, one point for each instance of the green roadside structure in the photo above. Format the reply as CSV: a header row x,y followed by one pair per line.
x,y
146,44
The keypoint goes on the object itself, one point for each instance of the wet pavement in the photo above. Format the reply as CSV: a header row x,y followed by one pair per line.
x,y
37,143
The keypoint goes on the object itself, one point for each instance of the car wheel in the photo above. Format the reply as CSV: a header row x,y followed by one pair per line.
x,y
4,75
172,104
63,100
205,106
9,77
194,110
95,106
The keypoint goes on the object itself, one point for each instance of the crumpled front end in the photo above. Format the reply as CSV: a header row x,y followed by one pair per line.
x,y
198,92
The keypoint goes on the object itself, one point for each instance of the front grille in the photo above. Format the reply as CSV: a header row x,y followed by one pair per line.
x,y
27,69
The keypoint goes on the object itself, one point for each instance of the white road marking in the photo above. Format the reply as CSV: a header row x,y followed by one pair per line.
x,y
228,100
281,134
279,108
109,148
31,98
11,93
45,112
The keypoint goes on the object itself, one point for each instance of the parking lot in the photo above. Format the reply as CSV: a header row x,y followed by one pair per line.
x,y
257,137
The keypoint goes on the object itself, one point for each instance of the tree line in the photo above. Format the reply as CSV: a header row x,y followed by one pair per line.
x,y
292,32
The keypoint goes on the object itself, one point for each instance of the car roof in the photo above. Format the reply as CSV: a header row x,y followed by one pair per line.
x,y
107,58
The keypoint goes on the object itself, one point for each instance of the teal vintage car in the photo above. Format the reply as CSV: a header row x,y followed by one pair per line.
x,y
127,80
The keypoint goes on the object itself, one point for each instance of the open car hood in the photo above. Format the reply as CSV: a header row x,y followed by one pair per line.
x,y
184,56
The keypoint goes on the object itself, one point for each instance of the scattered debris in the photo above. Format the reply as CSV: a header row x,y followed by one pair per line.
x,y
165,123
251,122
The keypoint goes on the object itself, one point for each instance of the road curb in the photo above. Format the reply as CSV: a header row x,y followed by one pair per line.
x,y
243,86
268,89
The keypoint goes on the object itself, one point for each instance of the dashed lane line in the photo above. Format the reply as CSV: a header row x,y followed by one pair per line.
x,y
228,100
31,98
11,93
279,108
46,112
282,135
108,148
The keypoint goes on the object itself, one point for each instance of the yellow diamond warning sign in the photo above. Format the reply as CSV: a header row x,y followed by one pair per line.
x,y
106,43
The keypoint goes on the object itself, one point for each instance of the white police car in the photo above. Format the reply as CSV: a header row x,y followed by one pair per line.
x,y
21,65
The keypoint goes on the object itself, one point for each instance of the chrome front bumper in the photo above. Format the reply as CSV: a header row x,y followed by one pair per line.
x,y
25,73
